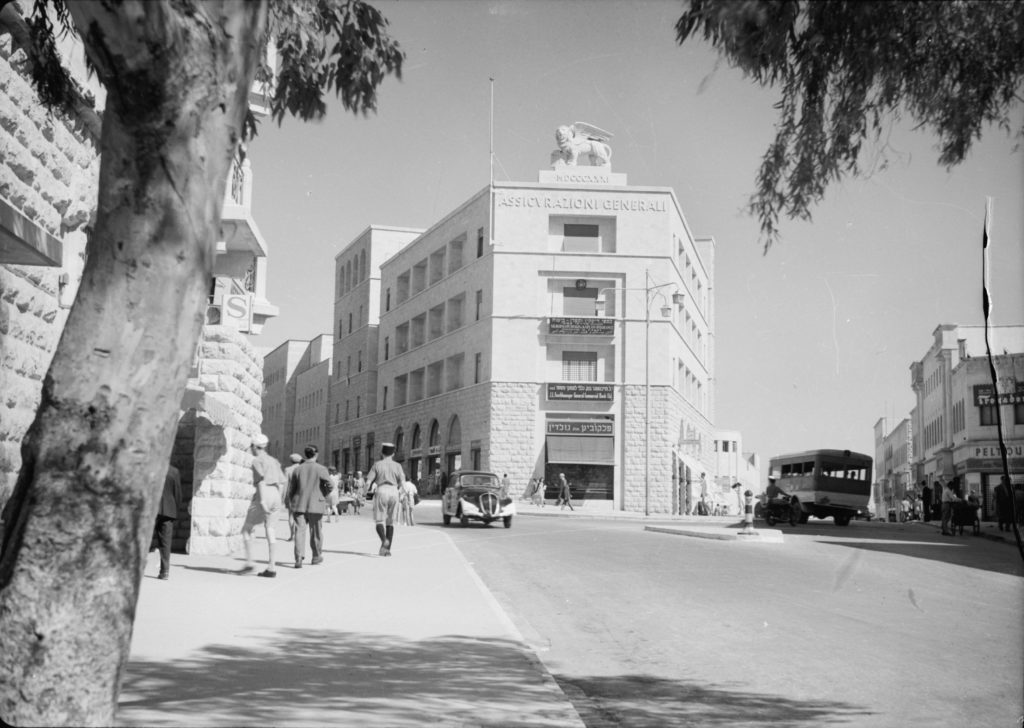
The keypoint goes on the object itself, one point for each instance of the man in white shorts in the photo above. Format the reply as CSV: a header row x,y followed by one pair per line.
x,y
384,480
265,506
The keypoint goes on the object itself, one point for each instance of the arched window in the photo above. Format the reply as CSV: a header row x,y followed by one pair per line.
x,y
435,433
454,434
416,444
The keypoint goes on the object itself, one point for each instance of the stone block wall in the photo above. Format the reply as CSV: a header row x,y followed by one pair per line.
x,y
636,494
512,445
49,173
230,372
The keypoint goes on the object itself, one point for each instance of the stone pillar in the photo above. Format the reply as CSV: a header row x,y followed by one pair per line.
x,y
230,373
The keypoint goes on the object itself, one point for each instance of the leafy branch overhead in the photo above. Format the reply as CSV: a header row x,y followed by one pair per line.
x,y
339,46
847,69
327,45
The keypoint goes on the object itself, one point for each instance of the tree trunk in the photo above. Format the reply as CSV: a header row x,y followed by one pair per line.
x,y
77,527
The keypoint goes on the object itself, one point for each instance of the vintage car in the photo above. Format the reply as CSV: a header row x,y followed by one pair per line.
x,y
476,495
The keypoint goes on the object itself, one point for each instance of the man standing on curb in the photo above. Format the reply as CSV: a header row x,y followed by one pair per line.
x,y
265,506
384,480
307,488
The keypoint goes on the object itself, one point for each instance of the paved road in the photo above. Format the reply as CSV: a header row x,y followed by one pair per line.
x,y
871,625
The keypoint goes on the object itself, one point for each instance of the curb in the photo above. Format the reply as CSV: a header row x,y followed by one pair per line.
x,y
762,536
574,719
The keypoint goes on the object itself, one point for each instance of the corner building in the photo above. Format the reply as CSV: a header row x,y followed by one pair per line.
x,y
564,326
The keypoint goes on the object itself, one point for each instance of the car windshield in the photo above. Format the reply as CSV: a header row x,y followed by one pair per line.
x,y
489,481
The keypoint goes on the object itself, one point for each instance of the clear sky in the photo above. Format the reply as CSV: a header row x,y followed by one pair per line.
x,y
813,340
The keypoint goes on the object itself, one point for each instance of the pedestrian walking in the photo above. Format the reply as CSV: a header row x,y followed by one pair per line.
x,y
737,488
166,515
538,493
334,497
307,493
383,481
949,497
408,499
926,501
1004,504
296,460
564,493
505,486
268,480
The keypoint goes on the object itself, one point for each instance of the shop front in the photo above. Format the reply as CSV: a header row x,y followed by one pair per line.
x,y
980,466
584,450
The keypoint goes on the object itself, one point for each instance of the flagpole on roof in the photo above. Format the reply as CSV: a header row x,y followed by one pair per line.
x,y
490,183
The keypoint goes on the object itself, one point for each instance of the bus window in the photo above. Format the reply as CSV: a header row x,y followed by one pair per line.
x,y
809,468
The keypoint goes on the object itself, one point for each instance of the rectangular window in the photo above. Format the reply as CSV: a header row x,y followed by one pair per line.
x,y
387,300
579,366
387,347
479,242
725,446
455,311
579,301
385,397
987,415
358,401
341,328
453,372
479,303
350,323
337,412
1018,414
455,253
435,373
477,367
359,364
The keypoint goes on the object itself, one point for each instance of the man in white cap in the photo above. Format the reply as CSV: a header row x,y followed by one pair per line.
x,y
384,479
266,504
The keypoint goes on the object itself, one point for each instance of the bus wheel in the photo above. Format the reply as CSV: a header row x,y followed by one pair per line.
x,y
795,513
843,520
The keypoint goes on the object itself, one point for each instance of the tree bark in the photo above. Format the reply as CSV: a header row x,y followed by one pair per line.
x,y
77,527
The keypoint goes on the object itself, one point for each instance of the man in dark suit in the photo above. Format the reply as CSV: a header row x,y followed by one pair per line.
x,y
308,487
165,518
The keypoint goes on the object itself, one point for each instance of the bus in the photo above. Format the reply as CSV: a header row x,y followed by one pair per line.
x,y
825,483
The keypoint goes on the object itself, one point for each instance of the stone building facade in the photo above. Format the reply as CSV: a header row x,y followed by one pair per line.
x,y
558,326
956,412
49,168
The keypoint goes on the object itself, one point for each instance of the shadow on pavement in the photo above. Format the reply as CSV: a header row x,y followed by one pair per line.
x,y
639,701
953,550
331,677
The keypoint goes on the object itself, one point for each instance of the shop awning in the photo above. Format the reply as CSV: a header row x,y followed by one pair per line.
x,y
576,449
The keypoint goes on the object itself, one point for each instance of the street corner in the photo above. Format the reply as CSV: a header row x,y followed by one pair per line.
x,y
762,535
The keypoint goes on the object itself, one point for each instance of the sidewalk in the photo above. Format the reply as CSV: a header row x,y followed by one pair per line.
x,y
359,640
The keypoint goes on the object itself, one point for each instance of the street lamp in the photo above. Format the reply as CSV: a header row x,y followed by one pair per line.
x,y
649,293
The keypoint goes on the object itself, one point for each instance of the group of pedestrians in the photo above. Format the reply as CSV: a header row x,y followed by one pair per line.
x,y
308,491
536,488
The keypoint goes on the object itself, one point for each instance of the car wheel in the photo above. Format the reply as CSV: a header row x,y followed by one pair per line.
x,y
843,520
447,519
508,521
463,521
769,518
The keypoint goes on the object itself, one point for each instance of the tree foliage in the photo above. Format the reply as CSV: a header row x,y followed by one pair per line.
x,y
847,69
178,76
